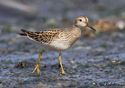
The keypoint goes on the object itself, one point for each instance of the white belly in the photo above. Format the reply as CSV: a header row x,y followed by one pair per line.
x,y
55,46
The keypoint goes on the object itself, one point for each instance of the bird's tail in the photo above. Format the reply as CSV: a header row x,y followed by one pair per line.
x,y
23,34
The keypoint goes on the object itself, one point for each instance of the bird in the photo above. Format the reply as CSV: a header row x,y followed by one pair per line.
x,y
57,39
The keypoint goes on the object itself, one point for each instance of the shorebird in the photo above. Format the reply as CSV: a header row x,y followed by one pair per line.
x,y
58,39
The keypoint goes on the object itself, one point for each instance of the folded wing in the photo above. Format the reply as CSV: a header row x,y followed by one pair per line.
x,y
42,36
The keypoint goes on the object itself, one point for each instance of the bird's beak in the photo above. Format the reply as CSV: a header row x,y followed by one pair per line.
x,y
88,25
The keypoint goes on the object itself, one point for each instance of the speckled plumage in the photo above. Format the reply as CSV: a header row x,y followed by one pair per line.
x,y
58,39
55,39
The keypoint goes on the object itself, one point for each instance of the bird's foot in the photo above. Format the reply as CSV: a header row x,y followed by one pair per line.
x,y
37,67
63,72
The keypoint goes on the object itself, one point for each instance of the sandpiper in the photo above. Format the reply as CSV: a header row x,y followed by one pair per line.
x,y
58,39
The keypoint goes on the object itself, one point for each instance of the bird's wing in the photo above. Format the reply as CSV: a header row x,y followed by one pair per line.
x,y
42,36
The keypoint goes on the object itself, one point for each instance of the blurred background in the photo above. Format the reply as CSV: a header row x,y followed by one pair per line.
x,y
39,15
106,16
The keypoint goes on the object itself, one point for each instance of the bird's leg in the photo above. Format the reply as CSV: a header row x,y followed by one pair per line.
x,y
59,58
37,65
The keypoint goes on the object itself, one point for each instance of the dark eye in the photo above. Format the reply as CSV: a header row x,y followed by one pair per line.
x,y
80,20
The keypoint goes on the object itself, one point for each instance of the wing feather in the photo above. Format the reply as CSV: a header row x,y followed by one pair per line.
x,y
42,36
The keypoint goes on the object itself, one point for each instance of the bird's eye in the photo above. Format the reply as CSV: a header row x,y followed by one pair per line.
x,y
80,20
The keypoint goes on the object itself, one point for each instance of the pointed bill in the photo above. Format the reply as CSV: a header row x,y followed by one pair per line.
x,y
88,25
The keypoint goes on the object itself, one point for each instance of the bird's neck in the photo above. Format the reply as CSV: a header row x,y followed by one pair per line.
x,y
76,30
74,33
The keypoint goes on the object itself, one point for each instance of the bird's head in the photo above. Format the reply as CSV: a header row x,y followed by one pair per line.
x,y
82,21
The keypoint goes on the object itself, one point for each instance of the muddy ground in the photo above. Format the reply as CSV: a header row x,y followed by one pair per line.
x,y
97,62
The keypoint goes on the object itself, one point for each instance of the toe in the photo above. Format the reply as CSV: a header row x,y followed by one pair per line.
x,y
62,72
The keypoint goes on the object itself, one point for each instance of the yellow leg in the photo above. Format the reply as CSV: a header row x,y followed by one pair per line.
x,y
37,65
63,72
